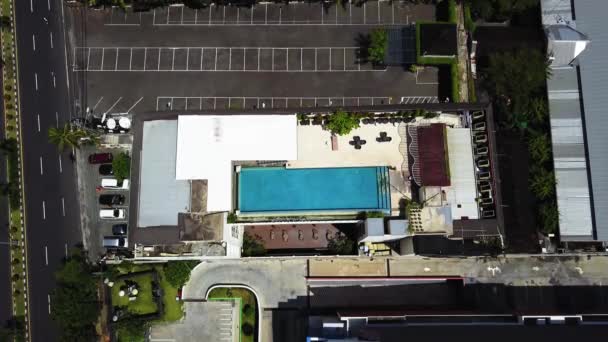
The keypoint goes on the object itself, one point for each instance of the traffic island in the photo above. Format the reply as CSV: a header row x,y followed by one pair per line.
x,y
13,151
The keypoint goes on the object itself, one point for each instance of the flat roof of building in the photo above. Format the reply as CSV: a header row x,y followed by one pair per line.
x,y
208,144
463,191
161,196
432,155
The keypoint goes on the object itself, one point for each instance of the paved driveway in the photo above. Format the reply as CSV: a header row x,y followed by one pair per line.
x,y
278,283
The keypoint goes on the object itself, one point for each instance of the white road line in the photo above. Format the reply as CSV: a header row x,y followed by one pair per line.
x,y
116,62
187,59
41,169
115,103
145,57
38,119
56,119
202,53
43,210
215,59
66,250
378,12
54,82
48,297
32,6
364,13
51,33
103,55
46,255
97,104
34,42
48,3
135,104
173,61
229,58
62,205
130,58
36,80
60,169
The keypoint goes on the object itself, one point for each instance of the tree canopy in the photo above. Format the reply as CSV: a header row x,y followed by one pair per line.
x,y
542,183
378,46
75,303
178,272
341,244
341,122
539,147
121,165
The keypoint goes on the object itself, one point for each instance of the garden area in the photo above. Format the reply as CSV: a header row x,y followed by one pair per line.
x,y
516,80
149,295
247,306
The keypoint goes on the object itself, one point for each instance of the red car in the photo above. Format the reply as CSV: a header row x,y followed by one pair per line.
x,y
100,158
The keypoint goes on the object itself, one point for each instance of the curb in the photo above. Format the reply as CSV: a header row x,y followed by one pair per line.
x,y
15,102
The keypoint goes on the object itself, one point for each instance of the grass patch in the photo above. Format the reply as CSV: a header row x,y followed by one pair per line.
x,y
452,14
173,308
144,304
247,307
455,82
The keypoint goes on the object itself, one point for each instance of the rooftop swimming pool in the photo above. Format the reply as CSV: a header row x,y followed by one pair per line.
x,y
279,189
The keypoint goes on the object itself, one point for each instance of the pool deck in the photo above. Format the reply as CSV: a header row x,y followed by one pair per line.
x,y
315,150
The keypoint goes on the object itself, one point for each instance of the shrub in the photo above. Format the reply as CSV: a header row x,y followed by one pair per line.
x,y
8,87
252,246
121,166
342,123
232,218
341,244
469,23
374,214
178,272
452,15
16,277
539,147
378,45
455,79
548,216
542,183
7,97
247,329
16,261
247,310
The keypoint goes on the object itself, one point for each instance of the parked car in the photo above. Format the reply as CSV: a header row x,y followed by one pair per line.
x,y
106,170
114,242
100,158
111,200
113,183
119,229
112,214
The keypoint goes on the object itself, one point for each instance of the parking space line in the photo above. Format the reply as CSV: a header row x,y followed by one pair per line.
x,y
130,58
378,2
135,104
115,103
202,53
364,13
145,57
393,11
173,60
158,68
230,59
116,62
103,51
266,14
209,23
182,18
215,67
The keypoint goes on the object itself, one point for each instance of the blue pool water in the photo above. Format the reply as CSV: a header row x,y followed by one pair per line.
x,y
277,189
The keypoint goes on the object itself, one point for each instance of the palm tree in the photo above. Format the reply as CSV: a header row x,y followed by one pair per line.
x,y
542,183
539,147
65,137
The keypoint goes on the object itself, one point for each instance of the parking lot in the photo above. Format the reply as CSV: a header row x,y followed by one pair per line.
x,y
368,13
170,58
95,228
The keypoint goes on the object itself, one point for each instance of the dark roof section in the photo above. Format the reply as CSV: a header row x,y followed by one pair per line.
x,y
438,39
401,46
432,155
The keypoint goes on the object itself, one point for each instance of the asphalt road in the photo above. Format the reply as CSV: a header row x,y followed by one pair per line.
x,y
52,217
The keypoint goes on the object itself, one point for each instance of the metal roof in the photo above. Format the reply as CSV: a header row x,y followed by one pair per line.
x,y
591,20
161,196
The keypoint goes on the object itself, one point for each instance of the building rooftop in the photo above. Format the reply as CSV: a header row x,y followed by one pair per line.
x,y
431,155
161,196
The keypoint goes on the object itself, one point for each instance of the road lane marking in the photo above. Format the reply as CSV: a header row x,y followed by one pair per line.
x,y
41,170
51,33
32,6
48,2
49,299
46,255
34,42
115,103
63,207
54,83
57,119
66,250
38,119
60,171
133,106
43,210
36,80
97,104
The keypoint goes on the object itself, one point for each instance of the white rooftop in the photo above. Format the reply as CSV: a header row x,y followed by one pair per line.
x,y
207,145
463,190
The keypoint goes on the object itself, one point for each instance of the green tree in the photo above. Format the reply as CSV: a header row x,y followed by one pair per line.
x,y
121,165
378,46
341,244
539,147
178,272
342,123
75,303
252,246
537,110
542,183
548,216
65,137
517,76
